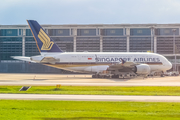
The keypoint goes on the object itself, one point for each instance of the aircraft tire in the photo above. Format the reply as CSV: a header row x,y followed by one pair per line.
x,y
117,76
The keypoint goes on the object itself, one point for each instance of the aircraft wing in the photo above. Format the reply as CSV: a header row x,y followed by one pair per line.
x,y
27,59
123,67
120,65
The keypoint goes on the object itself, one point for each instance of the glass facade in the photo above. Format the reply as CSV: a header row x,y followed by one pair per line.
x,y
30,47
166,31
112,32
90,44
65,43
140,44
59,32
29,39
25,67
172,59
28,32
165,45
8,49
11,39
10,46
86,32
140,31
114,44
8,32
20,31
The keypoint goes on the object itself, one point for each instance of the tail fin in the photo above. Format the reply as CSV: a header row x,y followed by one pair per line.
x,y
43,41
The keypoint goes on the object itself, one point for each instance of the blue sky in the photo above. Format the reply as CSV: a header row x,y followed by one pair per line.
x,y
13,12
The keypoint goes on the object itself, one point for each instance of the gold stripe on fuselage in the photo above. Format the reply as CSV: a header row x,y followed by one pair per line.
x,y
66,65
75,65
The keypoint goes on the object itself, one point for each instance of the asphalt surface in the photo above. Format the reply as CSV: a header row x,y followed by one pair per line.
x,y
91,97
86,80
83,80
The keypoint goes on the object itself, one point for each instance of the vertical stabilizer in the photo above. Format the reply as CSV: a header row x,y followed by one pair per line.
x,y
43,41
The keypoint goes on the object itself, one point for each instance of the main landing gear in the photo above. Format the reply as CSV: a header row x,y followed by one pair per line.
x,y
112,76
115,76
121,76
101,76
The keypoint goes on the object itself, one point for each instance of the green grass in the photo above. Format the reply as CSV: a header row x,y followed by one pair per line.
x,y
85,110
96,90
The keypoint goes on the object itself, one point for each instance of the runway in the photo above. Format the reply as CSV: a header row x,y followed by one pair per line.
x,y
83,80
91,97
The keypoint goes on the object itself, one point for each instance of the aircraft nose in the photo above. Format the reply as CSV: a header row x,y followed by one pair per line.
x,y
169,65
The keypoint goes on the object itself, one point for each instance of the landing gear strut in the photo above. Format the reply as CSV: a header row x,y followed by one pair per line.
x,y
115,76
104,76
162,74
101,76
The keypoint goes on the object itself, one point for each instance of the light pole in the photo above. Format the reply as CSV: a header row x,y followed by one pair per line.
x,y
174,32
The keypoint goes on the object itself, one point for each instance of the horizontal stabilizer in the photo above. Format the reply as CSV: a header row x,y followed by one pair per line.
x,y
27,59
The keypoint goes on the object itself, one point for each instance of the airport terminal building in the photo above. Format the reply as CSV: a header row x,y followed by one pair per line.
x,y
17,40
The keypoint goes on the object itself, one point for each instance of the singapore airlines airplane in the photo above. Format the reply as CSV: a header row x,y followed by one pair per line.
x,y
100,64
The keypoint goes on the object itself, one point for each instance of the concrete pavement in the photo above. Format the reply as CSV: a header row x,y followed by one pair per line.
x,y
83,80
91,97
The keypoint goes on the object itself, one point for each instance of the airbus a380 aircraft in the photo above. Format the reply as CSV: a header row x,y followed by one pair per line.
x,y
98,63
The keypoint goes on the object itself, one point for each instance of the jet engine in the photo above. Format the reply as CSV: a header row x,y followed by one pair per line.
x,y
142,69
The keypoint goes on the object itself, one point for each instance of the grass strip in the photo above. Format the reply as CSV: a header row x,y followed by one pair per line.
x,y
87,110
97,90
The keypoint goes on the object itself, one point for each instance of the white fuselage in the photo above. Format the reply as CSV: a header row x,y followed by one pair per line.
x,y
89,62
99,61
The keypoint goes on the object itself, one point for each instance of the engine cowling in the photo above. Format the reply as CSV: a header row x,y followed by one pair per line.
x,y
142,69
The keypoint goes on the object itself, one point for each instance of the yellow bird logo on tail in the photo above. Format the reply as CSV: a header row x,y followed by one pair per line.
x,y
47,44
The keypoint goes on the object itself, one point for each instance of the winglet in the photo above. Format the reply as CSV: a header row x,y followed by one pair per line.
x,y
123,61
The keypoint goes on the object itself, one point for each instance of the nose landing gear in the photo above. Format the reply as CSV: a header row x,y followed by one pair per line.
x,y
162,74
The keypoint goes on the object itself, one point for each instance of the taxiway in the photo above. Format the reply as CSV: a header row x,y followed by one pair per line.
x,y
91,97
83,80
